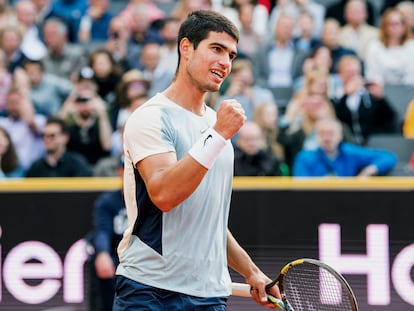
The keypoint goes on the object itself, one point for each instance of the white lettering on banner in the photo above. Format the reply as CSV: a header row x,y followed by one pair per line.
x,y
401,274
375,263
34,260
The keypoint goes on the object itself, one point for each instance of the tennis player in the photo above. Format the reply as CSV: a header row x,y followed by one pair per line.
x,y
178,183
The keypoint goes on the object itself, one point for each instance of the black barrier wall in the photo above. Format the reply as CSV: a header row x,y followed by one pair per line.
x,y
363,230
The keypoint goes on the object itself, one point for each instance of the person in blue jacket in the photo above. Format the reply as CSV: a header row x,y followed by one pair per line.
x,y
337,158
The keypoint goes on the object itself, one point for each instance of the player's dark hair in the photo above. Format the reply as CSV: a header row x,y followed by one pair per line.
x,y
200,23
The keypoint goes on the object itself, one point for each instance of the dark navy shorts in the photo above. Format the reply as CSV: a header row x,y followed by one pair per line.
x,y
133,296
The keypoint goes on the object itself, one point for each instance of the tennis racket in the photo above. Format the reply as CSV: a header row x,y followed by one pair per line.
x,y
307,285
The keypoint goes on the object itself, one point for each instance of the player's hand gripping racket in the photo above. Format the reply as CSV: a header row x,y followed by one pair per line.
x,y
308,284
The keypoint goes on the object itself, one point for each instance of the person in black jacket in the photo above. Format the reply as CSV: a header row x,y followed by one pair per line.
x,y
252,158
58,161
363,106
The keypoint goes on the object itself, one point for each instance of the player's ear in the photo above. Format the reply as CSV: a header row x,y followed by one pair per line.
x,y
185,47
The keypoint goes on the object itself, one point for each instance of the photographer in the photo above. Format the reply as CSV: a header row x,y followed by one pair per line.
x,y
87,117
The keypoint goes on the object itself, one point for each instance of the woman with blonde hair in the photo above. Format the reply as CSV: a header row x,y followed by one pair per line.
x,y
390,57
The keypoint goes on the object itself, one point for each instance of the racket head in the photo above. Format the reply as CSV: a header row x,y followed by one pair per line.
x,y
309,284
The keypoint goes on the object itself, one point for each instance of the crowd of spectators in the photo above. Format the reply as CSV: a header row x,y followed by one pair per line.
x,y
72,71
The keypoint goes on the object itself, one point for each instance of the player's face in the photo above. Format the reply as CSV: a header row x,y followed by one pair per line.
x,y
210,63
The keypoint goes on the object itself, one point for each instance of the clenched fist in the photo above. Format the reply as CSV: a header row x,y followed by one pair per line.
x,y
230,118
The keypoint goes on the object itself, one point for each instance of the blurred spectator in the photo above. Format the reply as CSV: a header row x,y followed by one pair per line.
x,y
169,50
154,13
356,34
62,58
389,58
259,15
278,63
24,126
132,85
70,12
43,11
118,42
182,8
337,158
266,115
9,162
107,73
109,223
330,39
57,160
244,89
386,4
5,81
32,45
319,62
159,75
363,106
94,23
251,157
7,14
89,126
407,8
306,39
11,36
250,39
408,125
295,8
336,10
47,91
299,132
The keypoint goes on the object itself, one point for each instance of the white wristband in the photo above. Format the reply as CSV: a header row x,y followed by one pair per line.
x,y
206,150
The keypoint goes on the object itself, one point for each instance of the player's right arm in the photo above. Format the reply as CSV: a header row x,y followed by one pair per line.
x,y
170,181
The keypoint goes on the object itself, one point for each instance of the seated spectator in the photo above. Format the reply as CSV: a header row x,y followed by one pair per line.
x,y
337,158
159,75
169,48
407,8
24,126
356,34
32,44
46,90
330,39
389,58
299,133
363,107
295,8
70,12
243,87
109,223
9,162
63,58
11,36
107,72
337,8
153,12
306,38
57,160
251,156
119,43
94,23
266,115
88,120
279,62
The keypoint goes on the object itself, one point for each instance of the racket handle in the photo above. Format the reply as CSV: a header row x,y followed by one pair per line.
x,y
243,290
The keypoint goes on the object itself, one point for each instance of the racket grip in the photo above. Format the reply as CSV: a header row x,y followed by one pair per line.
x,y
243,290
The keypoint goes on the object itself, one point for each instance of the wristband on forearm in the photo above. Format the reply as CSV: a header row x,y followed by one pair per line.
x,y
206,150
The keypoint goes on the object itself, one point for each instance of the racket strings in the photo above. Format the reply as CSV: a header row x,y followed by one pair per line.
x,y
308,287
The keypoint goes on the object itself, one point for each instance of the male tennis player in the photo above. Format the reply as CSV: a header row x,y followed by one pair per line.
x,y
178,183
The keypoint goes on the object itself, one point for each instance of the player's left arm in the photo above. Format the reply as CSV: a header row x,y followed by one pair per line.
x,y
240,261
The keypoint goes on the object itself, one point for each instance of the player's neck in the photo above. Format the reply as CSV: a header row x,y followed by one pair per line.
x,y
190,99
